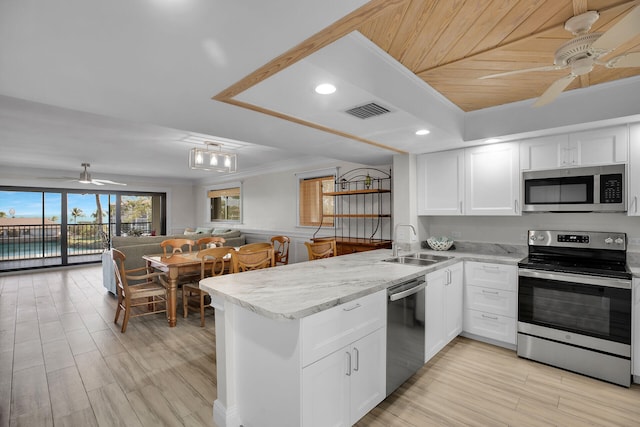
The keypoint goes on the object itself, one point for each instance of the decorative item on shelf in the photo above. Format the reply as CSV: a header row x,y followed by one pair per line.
x,y
367,181
210,159
439,243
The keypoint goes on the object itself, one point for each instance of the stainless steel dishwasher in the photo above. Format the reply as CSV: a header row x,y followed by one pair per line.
x,y
405,331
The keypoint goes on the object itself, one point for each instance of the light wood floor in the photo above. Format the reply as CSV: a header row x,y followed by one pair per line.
x,y
63,362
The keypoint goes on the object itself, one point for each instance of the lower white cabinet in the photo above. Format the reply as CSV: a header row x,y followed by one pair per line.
x,y
342,387
443,308
490,301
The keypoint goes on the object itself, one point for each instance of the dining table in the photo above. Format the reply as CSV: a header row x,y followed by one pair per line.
x,y
174,266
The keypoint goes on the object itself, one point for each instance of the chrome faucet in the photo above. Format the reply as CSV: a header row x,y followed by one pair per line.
x,y
394,245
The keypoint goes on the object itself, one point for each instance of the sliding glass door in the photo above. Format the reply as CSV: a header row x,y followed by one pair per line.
x,y
45,227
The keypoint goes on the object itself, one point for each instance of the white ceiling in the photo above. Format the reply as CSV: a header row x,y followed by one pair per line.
x,y
125,85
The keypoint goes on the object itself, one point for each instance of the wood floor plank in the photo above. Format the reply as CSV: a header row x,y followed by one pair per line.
x,y
66,392
112,408
152,408
29,391
57,355
94,370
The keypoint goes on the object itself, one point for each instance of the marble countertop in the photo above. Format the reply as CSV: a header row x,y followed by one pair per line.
x,y
299,290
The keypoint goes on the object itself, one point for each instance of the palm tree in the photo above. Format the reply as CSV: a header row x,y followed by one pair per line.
x,y
75,213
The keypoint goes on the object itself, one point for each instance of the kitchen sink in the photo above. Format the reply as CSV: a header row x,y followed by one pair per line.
x,y
418,259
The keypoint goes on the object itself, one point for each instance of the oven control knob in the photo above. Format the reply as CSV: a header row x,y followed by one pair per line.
x,y
608,240
619,241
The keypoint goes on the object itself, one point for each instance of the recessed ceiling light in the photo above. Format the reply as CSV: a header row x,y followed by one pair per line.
x,y
423,132
492,140
325,89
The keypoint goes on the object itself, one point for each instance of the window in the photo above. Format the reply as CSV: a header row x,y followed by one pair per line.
x,y
314,208
225,204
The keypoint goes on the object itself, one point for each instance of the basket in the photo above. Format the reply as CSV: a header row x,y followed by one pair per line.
x,y
439,243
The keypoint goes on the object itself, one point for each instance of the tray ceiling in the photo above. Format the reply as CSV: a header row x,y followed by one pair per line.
x,y
450,44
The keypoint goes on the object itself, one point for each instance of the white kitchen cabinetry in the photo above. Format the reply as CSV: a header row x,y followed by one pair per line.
x,y
441,183
325,369
341,388
443,303
344,359
634,170
492,179
490,301
588,148
635,327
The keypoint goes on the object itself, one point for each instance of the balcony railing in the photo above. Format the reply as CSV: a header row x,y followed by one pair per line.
x,y
23,242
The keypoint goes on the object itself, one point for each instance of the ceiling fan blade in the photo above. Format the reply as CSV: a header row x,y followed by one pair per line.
x,y
626,29
105,181
624,61
526,70
554,90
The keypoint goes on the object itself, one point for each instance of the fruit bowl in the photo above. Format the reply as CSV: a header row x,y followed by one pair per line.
x,y
439,243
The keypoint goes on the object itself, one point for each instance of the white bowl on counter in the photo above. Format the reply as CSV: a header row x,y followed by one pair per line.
x,y
439,243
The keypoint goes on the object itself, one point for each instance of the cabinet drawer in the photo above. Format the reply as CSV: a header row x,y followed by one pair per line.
x,y
489,325
490,300
327,331
496,276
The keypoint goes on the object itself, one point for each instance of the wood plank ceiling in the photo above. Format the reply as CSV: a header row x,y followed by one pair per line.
x,y
451,43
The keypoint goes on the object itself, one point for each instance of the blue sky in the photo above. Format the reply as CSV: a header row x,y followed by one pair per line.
x,y
29,204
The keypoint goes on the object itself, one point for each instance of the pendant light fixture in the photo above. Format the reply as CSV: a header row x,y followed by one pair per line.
x,y
212,158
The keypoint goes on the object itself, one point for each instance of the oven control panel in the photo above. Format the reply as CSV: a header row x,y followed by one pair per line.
x,y
578,239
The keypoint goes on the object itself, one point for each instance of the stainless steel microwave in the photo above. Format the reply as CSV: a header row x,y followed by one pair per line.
x,y
583,189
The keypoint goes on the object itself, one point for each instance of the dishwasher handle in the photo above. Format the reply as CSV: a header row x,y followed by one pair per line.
x,y
418,285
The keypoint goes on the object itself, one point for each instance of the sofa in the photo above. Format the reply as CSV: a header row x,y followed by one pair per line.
x,y
134,247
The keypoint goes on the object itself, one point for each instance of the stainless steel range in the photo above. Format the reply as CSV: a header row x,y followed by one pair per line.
x,y
574,303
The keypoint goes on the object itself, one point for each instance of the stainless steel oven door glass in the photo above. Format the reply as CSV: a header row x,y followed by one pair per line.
x,y
591,306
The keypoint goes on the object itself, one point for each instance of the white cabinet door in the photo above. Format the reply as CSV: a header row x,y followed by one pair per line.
x,y
634,170
434,339
342,387
544,153
453,301
441,183
368,369
325,391
443,313
599,146
492,180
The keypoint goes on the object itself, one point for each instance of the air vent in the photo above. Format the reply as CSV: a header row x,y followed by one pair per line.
x,y
367,110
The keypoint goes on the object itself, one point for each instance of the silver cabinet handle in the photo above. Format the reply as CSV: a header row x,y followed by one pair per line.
x,y
460,206
448,276
357,352
490,267
516,208
352,308
490,292
489,317
348,364
635,204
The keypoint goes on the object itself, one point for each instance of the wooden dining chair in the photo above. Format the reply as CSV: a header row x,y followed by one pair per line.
x,y
252,247
136,291
205,242
324,248
212,263
252,260
172,246
281,249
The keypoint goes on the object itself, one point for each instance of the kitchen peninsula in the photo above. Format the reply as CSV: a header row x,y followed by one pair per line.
x,y
277,329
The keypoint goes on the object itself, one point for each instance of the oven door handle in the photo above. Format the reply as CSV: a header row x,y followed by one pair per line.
x,y
576,278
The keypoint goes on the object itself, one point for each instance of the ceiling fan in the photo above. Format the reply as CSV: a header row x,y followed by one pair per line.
x,y
85,178
582,53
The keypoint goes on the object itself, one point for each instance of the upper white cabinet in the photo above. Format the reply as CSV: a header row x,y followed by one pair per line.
x,y
492,179
634,170
593,147
441,183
